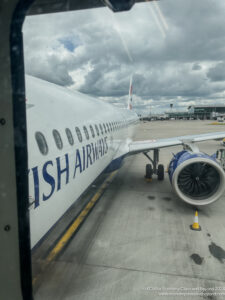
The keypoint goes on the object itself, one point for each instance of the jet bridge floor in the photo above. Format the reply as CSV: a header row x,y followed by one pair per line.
x,y
137,242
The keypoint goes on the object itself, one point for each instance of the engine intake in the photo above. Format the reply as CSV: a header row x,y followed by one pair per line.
x,y
197,178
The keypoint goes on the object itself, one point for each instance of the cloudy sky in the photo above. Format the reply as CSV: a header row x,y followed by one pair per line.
x,y
175,50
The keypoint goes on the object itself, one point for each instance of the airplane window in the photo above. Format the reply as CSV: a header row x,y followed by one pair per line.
x,y
57,139
97,130
86,132
104,127
42,145
69,136
79,135
92,131
101,128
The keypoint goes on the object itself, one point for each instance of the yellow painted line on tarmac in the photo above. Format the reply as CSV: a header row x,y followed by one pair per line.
x,y
75,225
217,123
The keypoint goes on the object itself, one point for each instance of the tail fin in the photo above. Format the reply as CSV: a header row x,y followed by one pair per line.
x,y
129,104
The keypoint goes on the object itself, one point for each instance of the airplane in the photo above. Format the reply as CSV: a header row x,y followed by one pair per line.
x,y
73,138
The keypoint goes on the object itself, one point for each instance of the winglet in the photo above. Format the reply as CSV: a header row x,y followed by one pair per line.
x,y
129,105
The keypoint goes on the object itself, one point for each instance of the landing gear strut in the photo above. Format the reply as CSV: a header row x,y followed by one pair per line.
x,y
154,167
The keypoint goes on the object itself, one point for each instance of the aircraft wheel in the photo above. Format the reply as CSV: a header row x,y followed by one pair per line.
x,y
149,171
160,172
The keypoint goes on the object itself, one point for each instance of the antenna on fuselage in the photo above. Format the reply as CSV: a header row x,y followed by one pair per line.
x,y
129,105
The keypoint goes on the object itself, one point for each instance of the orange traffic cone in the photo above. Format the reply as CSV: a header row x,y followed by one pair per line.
x,y
148,179
195,225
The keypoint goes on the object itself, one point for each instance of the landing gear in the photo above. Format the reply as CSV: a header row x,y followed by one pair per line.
x,y
160,172
154,168
149,171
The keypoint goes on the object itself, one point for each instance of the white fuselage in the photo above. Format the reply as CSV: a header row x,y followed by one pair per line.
x,y
58,175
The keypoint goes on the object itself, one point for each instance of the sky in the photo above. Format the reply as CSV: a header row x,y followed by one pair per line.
x,y
174,49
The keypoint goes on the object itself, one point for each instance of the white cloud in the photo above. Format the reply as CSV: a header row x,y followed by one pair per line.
x,y
176,52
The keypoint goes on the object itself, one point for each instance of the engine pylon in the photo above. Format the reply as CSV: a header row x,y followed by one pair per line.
x,y
195,225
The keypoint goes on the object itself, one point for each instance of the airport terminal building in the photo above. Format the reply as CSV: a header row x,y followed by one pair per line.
x,y
202,112
205,112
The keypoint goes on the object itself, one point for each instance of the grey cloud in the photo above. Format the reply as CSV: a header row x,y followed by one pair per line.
x,y
217,73
50,69
196,67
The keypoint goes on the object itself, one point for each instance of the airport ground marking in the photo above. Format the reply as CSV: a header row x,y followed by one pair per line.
x,y
75,225
217,123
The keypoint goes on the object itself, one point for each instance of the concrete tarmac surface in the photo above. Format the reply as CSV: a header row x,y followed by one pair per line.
x,y
137,243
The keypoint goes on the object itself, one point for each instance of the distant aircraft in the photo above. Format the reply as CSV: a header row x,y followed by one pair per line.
x,y
73,138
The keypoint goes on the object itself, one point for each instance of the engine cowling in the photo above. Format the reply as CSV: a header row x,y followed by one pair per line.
x,y
197,178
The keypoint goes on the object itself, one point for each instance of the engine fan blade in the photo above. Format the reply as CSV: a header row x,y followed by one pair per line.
x,y
198,180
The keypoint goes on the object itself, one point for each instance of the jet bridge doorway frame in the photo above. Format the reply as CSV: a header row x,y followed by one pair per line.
x,y
15,258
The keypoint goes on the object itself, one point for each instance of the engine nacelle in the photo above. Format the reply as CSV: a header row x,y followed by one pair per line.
x,y
197,178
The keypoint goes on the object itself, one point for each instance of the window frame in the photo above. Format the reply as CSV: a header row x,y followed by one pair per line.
x,y
101,128
40,134
97,130
57,138
79,134
92,131
69,136
86,133
104,128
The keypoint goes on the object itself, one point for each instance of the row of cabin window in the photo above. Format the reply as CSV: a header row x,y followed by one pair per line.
x,y
43,147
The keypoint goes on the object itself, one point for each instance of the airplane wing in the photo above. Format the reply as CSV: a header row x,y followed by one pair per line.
x,y
146,145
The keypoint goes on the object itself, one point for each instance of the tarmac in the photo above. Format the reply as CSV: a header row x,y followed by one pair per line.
x,y
136,243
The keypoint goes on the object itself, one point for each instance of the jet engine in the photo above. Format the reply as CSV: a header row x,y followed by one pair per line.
x,y
196,177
